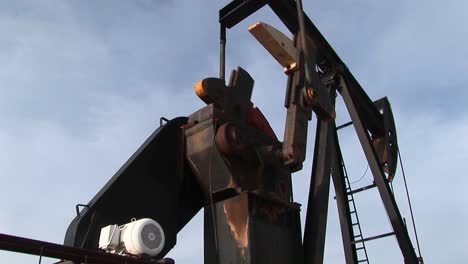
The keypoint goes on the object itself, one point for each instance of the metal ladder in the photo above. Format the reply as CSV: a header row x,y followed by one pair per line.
x,y
358,242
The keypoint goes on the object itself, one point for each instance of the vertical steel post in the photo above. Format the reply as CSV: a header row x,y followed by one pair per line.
x,y
222,52
347,232
317,206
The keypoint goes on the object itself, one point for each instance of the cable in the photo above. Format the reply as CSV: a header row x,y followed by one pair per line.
x,y
362,177
409,202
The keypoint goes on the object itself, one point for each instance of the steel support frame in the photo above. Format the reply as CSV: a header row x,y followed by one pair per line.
x,y
366,119
380,180
287,12
319,190
338,176
327,162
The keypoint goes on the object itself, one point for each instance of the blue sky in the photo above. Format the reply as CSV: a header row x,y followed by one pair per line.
x,y
83,83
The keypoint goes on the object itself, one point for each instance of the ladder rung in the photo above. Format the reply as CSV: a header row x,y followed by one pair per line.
x,y
359,243
362,189
359,248
344,125
362,260
355,224
360,235
372,238
352,212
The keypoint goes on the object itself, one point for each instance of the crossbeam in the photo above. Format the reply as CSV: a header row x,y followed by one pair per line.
x,y
78,255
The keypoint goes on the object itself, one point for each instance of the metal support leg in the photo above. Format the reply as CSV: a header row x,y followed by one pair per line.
x,y
346,224
380,180
317,206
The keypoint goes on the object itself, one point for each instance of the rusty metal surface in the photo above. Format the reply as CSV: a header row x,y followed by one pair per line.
x,y
230,139
236,158
205,159
230,145
251,228
219,162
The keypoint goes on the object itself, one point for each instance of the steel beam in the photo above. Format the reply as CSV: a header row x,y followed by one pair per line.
x,y
238,10
338,176
317,206
78,255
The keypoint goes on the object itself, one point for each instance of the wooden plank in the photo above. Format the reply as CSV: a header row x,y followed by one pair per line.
x,y
279,45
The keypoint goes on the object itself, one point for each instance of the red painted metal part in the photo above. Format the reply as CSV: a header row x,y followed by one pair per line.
x,y
79,255
255,118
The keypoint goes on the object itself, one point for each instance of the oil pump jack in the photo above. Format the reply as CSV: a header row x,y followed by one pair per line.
x,y
226,159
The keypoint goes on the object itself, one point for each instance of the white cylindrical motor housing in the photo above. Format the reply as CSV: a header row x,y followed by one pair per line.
x,y
143,237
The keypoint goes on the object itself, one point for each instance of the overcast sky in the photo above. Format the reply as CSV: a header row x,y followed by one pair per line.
x,y
83,83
